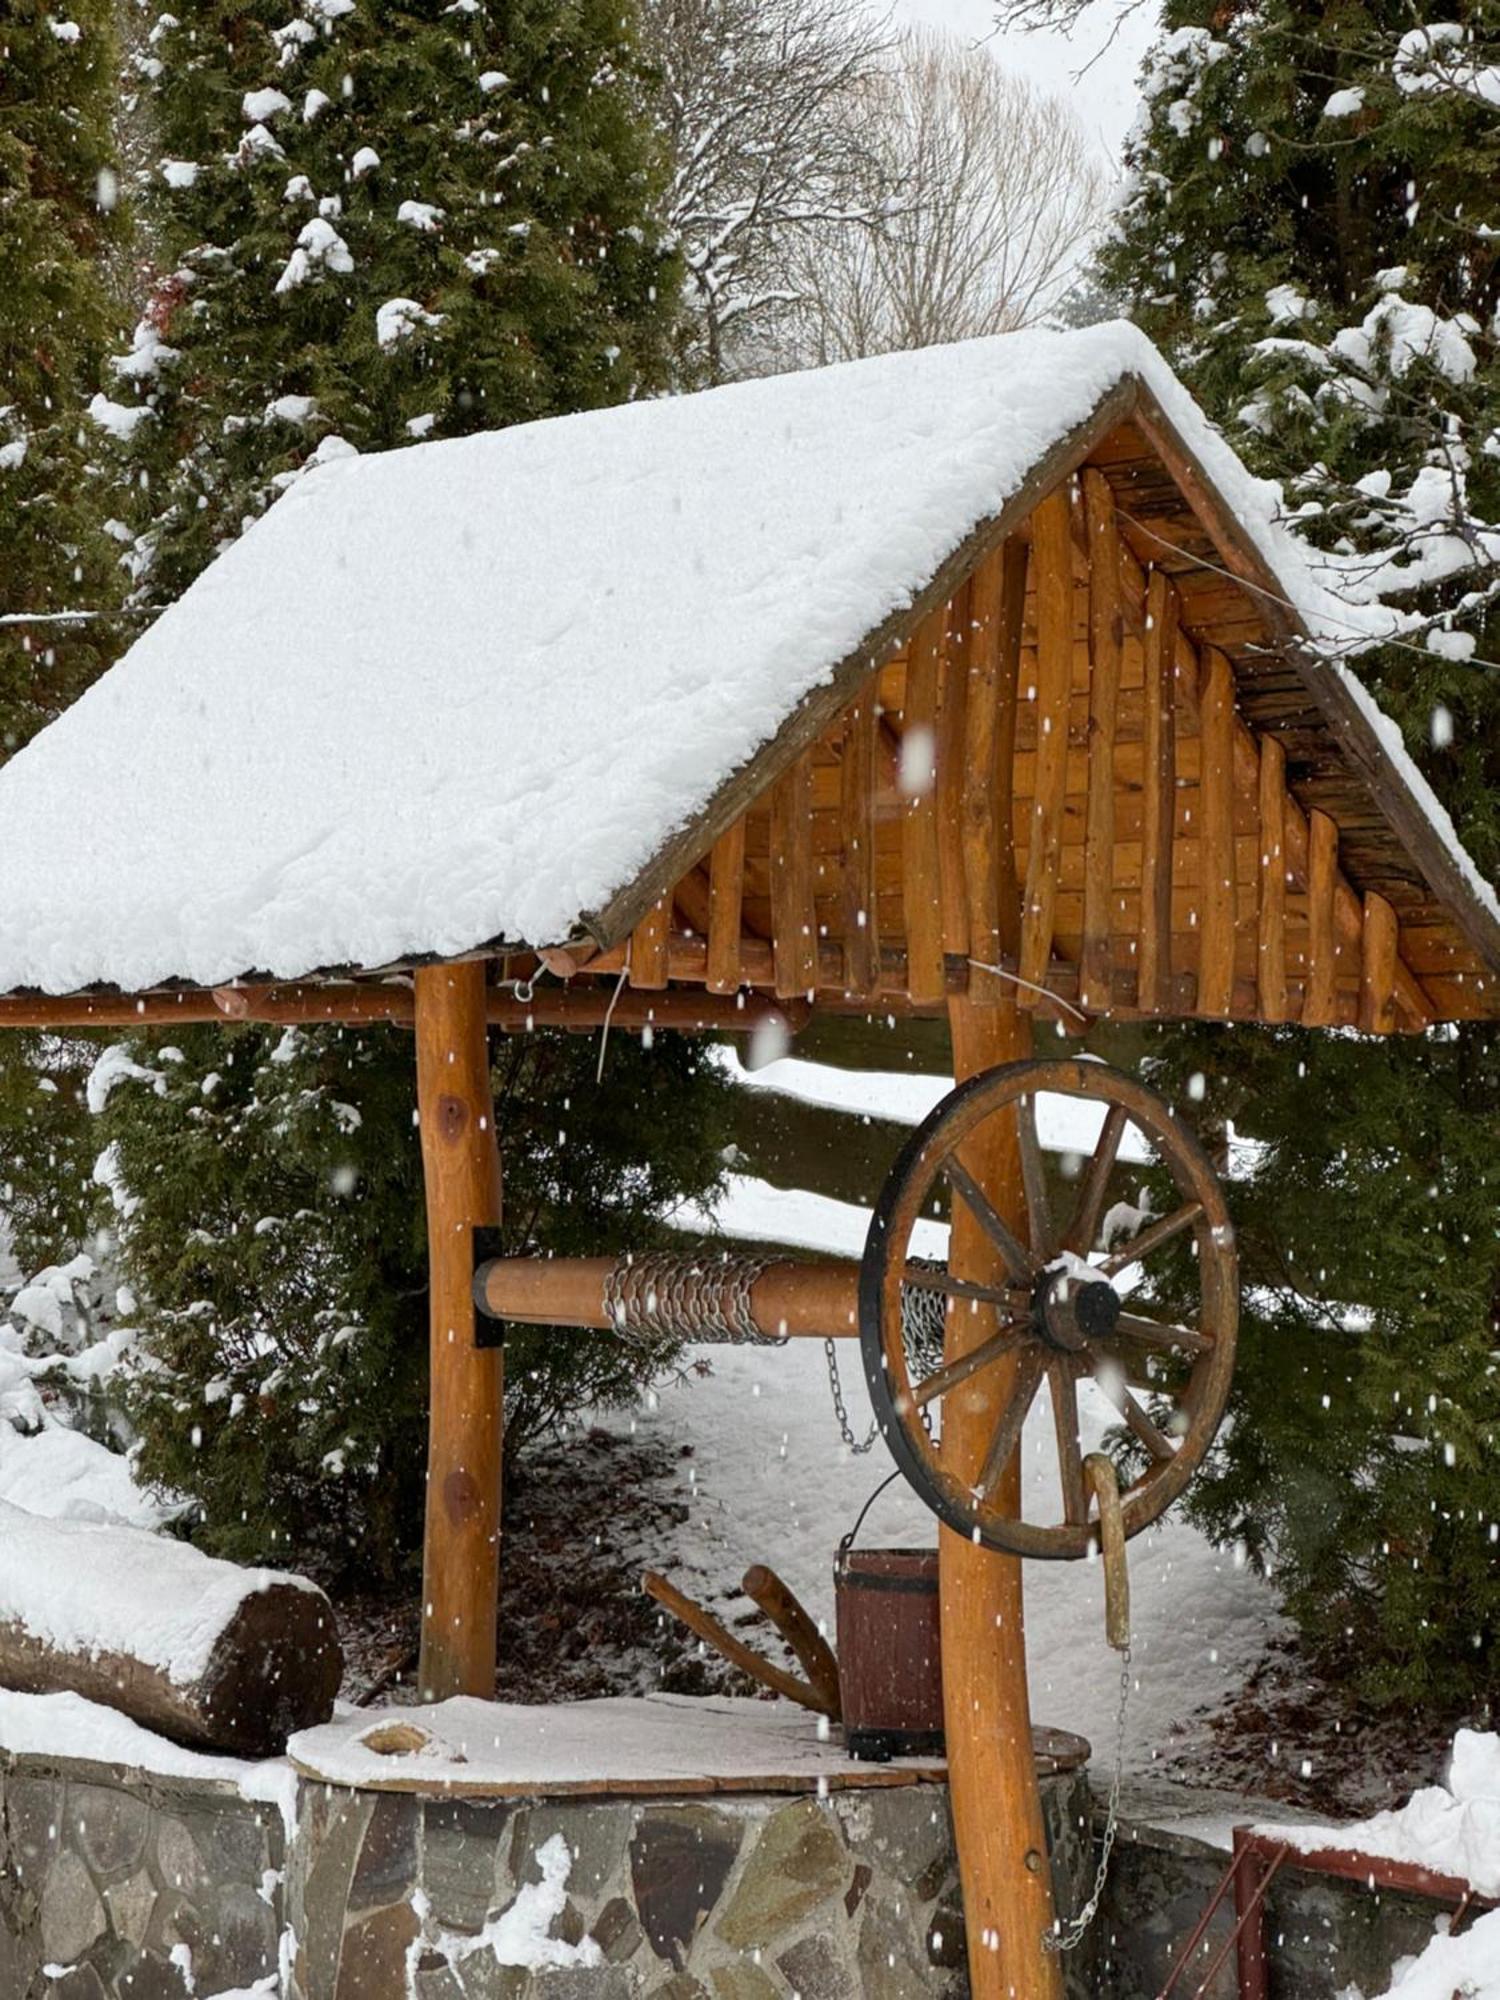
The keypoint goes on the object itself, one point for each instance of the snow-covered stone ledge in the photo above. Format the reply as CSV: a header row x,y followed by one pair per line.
x,y
135,1870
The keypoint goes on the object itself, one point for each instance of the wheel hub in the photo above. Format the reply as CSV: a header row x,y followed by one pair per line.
x,y
1068,1313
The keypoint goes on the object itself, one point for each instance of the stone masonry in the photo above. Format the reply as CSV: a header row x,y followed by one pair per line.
x,y
116,1885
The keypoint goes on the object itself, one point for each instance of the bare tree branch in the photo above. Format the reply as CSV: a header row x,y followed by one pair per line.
x,y
751,95
985,192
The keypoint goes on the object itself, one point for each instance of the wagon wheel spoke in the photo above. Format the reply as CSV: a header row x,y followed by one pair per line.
x,y
1029,1373
1152,1238
922,1279
1019,1260
1161,1334
953,1372
1069,1453
1084,1227
1034,1180
1155,1440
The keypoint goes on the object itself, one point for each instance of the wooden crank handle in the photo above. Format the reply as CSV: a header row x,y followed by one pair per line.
x,y
713,1634
795,1623
1099,1478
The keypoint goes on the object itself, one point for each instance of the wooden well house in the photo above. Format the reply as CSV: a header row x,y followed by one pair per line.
x,y
977,682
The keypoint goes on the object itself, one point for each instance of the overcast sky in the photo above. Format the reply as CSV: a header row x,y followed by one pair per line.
x,y
1103,95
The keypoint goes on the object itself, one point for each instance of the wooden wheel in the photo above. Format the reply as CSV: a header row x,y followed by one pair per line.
x,y
1076,1302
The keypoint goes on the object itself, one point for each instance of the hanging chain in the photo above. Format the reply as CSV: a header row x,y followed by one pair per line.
x,y
846,1431
922,1323
1068,1936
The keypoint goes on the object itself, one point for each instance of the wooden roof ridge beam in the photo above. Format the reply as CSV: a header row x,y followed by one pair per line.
x,y
1052,553
991,889
921,890
1106,635
1412,999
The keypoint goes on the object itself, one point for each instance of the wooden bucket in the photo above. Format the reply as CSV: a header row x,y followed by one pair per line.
x,y
890,1660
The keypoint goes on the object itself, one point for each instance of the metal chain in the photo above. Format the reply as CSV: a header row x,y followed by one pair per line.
x,y
1070,1935
846,1431
922,1320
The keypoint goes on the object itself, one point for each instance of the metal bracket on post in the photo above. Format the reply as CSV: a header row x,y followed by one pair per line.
x,y
489,1244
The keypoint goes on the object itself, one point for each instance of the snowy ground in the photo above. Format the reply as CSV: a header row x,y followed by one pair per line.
x,y
769,1480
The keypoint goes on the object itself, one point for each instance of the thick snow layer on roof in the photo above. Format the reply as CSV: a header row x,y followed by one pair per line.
x,y
463,691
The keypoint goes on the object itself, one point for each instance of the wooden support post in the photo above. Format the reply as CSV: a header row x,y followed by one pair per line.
x,y
1379,950
461,1169
998,606
726,897
1320,986
1270,972
857,835
1052,546
1216,888
1158,797
794,921
1106,636
997,1813
921,893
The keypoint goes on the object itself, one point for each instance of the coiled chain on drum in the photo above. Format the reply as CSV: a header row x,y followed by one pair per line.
x,y
672,1297
923,1318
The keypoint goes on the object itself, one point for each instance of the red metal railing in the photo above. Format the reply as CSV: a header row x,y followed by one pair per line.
x,y
1254,1863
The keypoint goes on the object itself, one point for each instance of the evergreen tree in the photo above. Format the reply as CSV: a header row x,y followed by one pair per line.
x,y
380,222
376,221
1310,233
58,218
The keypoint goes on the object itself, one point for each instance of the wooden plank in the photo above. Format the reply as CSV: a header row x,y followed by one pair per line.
x,y
1270,975
794,918
648,947
857,834
466,1407
1318,1009
1417,1005
1106,640
1052,554
1216,891
952,709
998,605
726,898
921,893
1158,796
1379,952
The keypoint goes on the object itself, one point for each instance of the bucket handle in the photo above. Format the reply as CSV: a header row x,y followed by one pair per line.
x,y
841,1565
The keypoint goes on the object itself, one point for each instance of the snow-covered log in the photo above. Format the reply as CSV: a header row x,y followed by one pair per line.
x,y
197,1649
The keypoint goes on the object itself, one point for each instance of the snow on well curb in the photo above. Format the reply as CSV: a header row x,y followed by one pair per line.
x,y
65,1725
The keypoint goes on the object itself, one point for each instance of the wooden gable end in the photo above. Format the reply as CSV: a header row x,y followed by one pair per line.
x,y
1092,767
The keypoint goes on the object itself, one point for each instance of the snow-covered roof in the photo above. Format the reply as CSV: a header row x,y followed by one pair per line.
x,y
464,692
